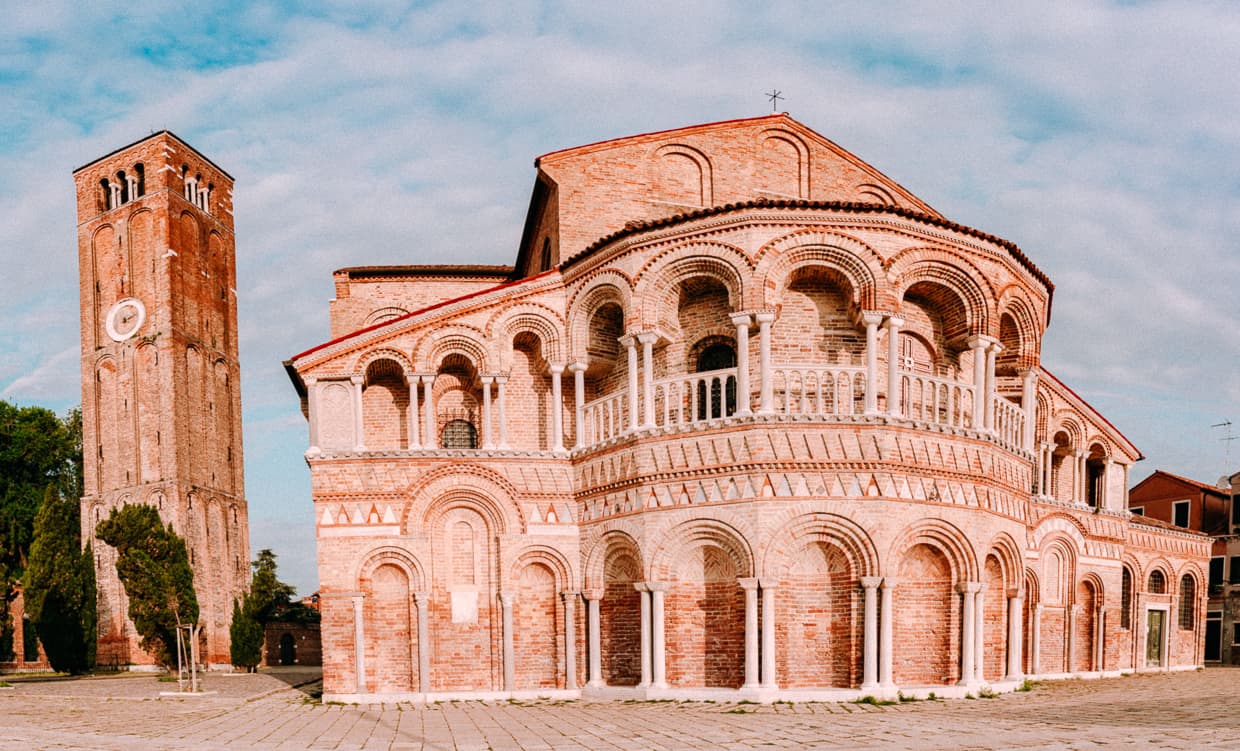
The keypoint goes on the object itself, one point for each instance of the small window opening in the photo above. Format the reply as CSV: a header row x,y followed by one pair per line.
x,y
722,399
460,434
140,175
1158,582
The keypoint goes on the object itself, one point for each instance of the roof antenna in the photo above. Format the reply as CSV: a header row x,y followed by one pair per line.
x,y
1227,439
774,95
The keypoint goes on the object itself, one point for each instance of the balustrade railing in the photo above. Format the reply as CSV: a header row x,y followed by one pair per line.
x,y
942,401
606,417
1008,421
819,391
697,397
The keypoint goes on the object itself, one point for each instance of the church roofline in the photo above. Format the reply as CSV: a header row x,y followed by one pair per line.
x,y
1204,487
483,270
156,134
609,142
1095,413
633,228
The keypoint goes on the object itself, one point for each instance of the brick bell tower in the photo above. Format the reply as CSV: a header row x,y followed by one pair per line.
x,y
161,397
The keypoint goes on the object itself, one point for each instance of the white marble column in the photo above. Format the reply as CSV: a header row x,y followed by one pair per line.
x,y
750,585
1100,637
979,636
415,429
429,439
487,442
886,640
359,438
768,635
658,636
579,403
642,588
1035,640
1016,610
557,408
992,352
967,590
1079,475
978,345
1045,469
115,190
893,325
131,183
501,401
359,643
423,600
1070,638
869,648
742,321
629,342
871,321
766,400
570,639
647,339
506,601
312,415
594,625
1029,404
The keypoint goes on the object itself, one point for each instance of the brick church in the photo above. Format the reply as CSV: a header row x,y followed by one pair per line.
x,y
744,419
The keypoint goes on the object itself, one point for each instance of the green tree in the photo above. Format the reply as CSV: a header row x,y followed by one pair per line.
x,y
246,648
153,565
268,594
60,585
36,448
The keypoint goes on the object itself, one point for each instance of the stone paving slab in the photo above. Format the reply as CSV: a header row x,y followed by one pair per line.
x,y
263,711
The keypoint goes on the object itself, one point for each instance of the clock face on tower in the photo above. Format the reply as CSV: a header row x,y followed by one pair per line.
x,y
125,318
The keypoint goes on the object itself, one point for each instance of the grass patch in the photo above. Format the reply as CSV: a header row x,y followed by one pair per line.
x,y
737,710
874,701
905,699
5,684
985,692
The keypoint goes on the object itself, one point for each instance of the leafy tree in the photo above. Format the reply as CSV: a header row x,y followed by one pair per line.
x,y
246,649
153,565
268,594
60,585
36,448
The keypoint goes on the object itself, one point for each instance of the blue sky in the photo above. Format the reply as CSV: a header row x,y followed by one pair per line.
x,y
1100,137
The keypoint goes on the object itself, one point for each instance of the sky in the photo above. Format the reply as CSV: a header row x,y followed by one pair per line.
x,y
1102,138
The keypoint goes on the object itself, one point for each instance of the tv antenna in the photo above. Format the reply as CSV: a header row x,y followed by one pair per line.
x,y
1227,439
774,95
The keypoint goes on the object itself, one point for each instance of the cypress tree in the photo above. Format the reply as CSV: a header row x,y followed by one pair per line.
x,y
246,648
60,585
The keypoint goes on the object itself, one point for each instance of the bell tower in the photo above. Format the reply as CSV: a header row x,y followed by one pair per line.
x,y
161,398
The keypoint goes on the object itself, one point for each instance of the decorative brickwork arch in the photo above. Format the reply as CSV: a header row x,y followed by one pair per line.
x,y
382,315
614,565
947,537
815,562
1068,421
389,636
785,146
849,257
1157,579
681,175
915,266
527,318
390,555
538,576
1005,550
871,193
363,360
1087,600
470,483
452,339
1058,563
1018,330
1032,598
664,273
601,287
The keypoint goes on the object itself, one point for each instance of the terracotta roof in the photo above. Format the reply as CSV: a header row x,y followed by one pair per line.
x,y
449,269
1205,487
1150,521
853,207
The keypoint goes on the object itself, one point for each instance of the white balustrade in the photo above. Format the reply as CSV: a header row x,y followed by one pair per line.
x,y
696,397
819,391
1009,422
942,401
606,417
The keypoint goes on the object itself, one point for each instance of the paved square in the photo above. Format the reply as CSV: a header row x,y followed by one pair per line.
x,y
1175,711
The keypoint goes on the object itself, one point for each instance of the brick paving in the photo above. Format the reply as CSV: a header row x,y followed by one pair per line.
x,y
1173,711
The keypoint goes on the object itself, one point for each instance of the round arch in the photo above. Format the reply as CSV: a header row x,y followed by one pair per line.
x,y
854,260
392,556
819,526
724,263
694,533
942,535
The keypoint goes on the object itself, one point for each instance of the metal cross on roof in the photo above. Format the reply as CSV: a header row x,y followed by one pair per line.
x,y
774,95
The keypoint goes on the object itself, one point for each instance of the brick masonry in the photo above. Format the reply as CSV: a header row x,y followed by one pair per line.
x,y
803,502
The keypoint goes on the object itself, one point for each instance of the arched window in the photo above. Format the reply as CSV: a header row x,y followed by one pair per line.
x,y
140,173
722,401
1158,582
123,182
107,194
1125,599
460,434
1188,603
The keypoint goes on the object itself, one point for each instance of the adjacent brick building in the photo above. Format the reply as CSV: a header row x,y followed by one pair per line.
x,y
744,419
1212,510
161,397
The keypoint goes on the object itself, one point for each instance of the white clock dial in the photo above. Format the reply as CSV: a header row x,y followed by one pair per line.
x,y
125,318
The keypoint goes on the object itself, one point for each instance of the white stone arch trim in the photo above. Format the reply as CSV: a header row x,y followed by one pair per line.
x,y
803,155
1097,439
600,550
820,526
528,317
725,263
1004,548
450,339
478,487
698,157
553,559
393,556
856,261
693,533
1061,525
940,534
951,271
365,358
596,290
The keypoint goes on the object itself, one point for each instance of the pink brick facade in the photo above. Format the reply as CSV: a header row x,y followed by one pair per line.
x,y
745,419
161,397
